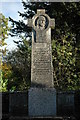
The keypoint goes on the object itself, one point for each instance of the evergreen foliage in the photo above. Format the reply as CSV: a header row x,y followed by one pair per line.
x,y
65,41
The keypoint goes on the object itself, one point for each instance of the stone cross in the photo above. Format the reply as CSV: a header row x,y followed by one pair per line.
x,y
42,94
41,67
41,22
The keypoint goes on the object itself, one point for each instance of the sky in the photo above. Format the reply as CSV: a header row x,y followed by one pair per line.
x,y
10,8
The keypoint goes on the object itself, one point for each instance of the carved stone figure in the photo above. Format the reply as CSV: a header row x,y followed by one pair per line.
x,y
41,22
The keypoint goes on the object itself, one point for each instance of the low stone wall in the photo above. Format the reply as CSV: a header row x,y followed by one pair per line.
x,y
5,105
77,104
65,103
5,102
16,103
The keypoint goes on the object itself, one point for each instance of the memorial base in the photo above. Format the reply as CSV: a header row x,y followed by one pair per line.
x,y
42,102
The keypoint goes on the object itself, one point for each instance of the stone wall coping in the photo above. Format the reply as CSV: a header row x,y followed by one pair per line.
x,y
57,91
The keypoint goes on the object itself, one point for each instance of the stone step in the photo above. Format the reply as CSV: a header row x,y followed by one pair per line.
x,y
7,117
36,118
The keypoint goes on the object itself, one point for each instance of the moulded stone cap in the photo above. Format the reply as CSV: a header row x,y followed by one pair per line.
x,y
40,11
52,23
29,22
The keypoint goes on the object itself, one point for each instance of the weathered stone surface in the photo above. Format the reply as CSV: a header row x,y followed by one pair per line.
x,y
18,104
42,95
42,102
41,68
65,103
42,71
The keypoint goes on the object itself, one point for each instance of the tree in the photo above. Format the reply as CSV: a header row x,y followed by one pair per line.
x,y
66,16
3,35
65,37
20,61
64,63
6,75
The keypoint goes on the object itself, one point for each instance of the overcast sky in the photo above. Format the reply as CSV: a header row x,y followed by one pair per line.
x,y
10,8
